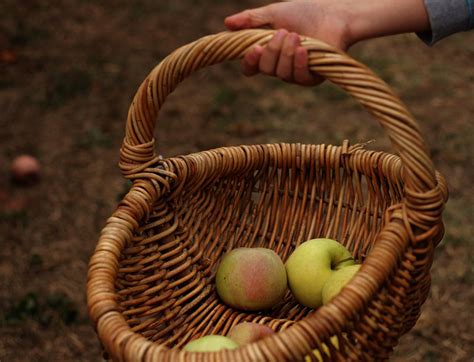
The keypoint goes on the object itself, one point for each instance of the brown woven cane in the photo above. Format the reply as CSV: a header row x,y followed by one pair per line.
x,y
151,278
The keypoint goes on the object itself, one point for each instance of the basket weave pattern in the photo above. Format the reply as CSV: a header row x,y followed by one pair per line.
x,y
151,278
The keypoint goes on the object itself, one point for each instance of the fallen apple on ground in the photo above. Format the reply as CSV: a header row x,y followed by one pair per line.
x,y
25,170
310,266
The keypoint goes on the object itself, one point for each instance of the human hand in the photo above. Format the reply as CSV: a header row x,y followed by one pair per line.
x,y
284,57
340,23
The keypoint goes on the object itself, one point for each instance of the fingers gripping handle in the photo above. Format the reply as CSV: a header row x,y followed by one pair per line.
x,y
138,149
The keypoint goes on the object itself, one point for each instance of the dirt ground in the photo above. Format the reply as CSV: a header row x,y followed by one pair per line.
x,y
68,71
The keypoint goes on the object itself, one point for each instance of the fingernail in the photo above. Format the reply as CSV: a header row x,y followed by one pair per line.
x,y
258,49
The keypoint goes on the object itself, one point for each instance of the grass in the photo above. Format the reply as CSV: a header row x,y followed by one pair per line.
x,y
18,31
14,219
380,65
65,85
225,96
331,93
125,189
459,231
432,356
95,137
36,260
44,310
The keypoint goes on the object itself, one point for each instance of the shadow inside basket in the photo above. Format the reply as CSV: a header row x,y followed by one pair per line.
x,y
274,196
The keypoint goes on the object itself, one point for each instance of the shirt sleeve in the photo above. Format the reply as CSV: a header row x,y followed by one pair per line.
x,y
447,17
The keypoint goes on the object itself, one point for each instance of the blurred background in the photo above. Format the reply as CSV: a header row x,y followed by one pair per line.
x,y
68,71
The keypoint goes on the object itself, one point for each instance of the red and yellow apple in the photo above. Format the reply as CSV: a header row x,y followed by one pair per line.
x,y
251,279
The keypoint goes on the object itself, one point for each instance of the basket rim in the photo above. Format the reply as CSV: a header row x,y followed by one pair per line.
x,y
112,326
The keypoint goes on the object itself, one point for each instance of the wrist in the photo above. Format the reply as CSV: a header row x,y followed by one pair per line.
x,y
368,19
348,21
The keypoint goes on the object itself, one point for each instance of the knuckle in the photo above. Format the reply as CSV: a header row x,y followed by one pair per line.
x,y
288,52
273,47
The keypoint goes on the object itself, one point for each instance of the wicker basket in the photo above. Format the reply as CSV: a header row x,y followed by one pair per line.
x,y
151,277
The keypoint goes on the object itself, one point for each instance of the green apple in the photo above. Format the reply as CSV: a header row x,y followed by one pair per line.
x,y
248,332
338,280
310,266
210,344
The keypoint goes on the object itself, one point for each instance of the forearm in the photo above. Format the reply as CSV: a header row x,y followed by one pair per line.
x,y
369,19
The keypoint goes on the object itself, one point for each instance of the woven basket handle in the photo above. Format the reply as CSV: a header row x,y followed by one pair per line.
x,y
138,150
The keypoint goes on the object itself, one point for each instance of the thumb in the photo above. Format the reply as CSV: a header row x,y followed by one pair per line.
x,y
252,18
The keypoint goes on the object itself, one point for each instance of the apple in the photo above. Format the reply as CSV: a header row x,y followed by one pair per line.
x,y
338,280
251,279
248,332
25,169
317,353
311,264
210,343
